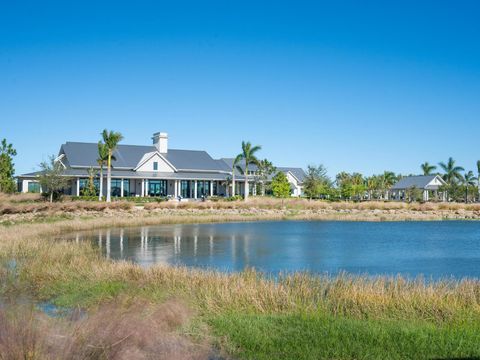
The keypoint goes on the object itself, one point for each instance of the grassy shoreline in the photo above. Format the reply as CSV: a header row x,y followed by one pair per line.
x,y
312,316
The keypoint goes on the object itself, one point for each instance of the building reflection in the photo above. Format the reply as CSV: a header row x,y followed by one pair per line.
x,y
195,245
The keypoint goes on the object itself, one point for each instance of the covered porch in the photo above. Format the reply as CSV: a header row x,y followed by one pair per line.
x,y
148,187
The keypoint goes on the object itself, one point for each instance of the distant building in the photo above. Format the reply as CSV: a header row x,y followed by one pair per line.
x,y
155,170
429,185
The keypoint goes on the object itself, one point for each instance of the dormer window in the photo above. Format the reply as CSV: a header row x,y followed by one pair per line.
x,y
155,165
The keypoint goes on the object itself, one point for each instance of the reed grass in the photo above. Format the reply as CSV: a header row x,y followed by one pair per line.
x,y
305,204
116,330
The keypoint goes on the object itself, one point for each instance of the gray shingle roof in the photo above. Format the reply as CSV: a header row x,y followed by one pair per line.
x,y
419,182
127,156
297,172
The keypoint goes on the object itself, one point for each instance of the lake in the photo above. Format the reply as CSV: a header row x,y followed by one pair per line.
x,y
434,249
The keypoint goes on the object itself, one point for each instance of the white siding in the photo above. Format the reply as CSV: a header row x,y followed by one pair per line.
x,y
162,165
297,189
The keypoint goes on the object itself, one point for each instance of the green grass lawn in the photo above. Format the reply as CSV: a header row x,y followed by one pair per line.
x,y
326,337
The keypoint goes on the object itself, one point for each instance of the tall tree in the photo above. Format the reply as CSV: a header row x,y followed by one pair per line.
x,y
373,184
248,156
281,186
316,182
234,168
427,168
51,178
265,169
452,172
7,170
102,161
468,180
89,189
388,179
111,140
478,177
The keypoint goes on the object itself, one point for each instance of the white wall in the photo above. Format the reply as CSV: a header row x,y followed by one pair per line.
x,y
297,189
162,165
25,185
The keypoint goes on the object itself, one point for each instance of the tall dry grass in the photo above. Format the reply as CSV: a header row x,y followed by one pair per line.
x,y
66,207
20,197
304,204
137,330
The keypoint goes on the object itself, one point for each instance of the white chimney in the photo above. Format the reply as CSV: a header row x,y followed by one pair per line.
x,y
160,140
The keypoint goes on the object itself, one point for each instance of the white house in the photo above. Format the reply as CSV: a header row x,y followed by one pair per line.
x,y
428,184
154,170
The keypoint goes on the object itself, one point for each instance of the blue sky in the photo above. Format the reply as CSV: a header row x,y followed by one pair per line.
x,y
357,86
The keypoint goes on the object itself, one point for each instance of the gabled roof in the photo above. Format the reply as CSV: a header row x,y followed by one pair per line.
x,y
128,156
419,182
298,173
150,155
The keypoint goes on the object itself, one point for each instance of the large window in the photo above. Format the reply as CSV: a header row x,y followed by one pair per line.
x,y
200,189
116,189
33,187
84,184
185,188
203,188
157,187
126,187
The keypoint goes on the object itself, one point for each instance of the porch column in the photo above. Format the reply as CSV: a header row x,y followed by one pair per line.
x,y
143,187
121,188
78,186
176,188
146,187
211,188
195,190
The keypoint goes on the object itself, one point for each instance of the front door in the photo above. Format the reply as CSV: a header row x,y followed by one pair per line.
x,y
157,188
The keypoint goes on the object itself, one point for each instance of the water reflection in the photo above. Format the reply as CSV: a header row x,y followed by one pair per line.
x,y
435,249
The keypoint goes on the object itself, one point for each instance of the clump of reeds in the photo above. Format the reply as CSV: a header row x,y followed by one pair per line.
x,y
305,204
20,197
137,330
68,207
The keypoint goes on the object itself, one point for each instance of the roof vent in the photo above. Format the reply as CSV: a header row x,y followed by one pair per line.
x,y
160,141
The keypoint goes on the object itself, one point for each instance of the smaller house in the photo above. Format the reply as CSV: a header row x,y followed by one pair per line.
x,y
429,185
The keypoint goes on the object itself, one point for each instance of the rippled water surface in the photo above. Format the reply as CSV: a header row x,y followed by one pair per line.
x,y
434,249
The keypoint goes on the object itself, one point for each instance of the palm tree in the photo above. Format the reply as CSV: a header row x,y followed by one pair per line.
x,y
468,179
248,155
478,176
234,167
111,140
265,169
427,168
388,180
102,161
452,172
373,183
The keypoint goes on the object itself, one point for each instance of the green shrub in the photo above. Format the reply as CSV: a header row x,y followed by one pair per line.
x,y
234,198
